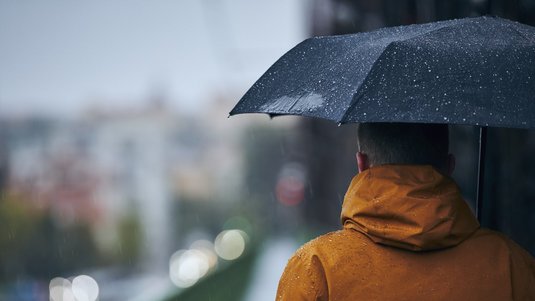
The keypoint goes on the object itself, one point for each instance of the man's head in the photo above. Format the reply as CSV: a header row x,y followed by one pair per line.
x,y
404,143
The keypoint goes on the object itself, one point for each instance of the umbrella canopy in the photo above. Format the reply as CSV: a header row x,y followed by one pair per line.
x,y
473,71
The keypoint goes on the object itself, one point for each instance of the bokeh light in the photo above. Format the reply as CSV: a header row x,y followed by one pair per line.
x,y
230,244
207,248
60,290
186,267
82,288
85,288
290,187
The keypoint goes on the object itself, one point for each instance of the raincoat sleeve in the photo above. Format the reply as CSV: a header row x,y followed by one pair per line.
x,y
522,273
303,279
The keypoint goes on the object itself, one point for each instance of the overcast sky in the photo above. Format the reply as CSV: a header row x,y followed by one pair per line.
x,y
62,56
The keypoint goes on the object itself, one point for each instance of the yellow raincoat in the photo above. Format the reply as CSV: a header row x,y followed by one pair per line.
x,y
408,235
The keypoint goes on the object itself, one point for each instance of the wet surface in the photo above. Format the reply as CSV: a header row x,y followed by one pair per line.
x,y
474,71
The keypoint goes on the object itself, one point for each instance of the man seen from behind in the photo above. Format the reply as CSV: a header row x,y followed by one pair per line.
x,y
407,232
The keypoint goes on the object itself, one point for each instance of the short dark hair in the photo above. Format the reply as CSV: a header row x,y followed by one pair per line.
x,y
404,143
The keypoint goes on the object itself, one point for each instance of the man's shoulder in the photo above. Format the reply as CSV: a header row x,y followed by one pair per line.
x,y
327,238
489,238
494,237
331,243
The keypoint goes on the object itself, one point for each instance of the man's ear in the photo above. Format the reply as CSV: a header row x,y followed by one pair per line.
x,y
451,164
362,161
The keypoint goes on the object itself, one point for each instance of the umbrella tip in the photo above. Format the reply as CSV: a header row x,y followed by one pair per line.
x,y
339,123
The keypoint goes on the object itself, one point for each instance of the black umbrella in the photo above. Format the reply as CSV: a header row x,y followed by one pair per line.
x,y
473,71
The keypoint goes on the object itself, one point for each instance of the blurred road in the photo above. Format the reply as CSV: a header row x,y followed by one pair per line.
x,y
269,267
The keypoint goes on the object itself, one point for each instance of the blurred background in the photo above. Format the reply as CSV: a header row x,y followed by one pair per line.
x,y
121,177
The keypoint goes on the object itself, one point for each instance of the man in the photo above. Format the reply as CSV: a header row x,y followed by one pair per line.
x,y
407,233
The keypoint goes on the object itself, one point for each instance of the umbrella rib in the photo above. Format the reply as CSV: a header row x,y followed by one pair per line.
x,y
295,102
520,34
465,20
357,96
432,31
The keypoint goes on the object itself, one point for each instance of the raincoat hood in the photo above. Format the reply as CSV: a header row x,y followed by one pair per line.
x,y
409,207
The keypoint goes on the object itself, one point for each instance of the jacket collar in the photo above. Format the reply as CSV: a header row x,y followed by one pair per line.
x,y
409,207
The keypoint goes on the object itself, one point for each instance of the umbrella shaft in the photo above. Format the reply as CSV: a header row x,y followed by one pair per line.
x,y
481,171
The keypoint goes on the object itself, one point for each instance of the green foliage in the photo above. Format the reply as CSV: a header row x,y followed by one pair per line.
x,y
32,245
129,239
16,228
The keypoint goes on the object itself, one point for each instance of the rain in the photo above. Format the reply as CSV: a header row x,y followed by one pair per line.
x,y
130,168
